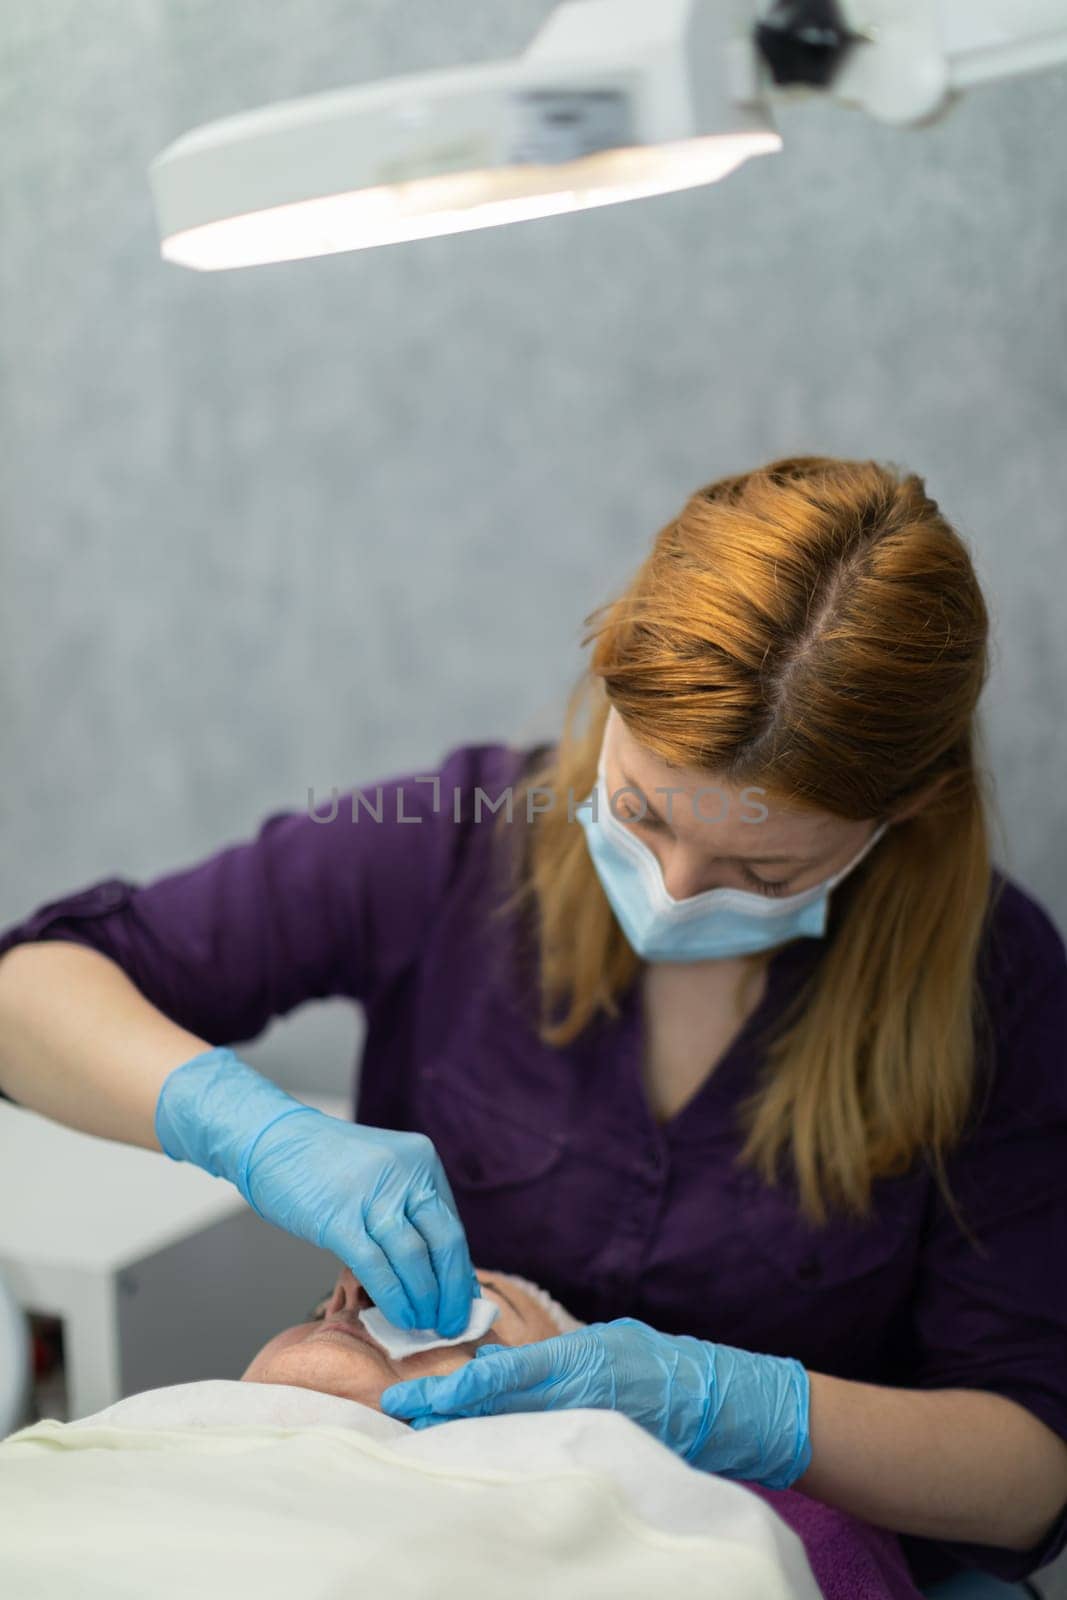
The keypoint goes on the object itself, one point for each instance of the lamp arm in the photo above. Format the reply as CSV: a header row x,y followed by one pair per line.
x,y
987,39
906,61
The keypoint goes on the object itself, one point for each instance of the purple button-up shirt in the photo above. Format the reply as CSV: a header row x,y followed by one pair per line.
x,y
559,1168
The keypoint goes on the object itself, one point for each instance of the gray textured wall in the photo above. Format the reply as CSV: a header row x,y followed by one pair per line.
x,y
314,523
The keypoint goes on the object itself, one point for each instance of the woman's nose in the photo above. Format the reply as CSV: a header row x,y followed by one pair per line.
x,y
348,1294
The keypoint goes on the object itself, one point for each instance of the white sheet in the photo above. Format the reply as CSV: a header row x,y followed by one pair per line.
x,y
232,1488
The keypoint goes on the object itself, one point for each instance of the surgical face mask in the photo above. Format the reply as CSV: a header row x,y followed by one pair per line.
x,y
717,924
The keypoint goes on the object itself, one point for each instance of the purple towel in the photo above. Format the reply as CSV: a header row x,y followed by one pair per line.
x,y
851,1559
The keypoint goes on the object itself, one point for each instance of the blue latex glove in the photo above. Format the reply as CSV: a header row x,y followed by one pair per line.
x,y
378,1199
722,1410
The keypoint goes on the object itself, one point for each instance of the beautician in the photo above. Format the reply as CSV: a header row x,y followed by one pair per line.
x,y
713,1016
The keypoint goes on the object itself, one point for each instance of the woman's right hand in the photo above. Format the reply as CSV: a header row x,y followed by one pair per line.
x,y
377,1199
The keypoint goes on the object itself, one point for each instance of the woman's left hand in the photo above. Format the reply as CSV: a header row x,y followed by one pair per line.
x,y
722,1410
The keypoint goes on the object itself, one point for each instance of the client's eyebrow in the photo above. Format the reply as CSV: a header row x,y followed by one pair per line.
x,y
489,1284
319,1308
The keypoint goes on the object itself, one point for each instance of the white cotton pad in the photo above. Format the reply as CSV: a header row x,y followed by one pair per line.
x,y
400,1342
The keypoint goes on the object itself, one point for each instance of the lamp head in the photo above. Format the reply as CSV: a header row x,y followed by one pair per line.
x,y
614,99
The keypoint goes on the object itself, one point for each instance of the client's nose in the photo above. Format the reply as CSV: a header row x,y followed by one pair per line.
x,y
348,1295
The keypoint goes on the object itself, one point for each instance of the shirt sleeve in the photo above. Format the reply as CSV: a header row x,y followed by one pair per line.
x,y
313,905
994,1317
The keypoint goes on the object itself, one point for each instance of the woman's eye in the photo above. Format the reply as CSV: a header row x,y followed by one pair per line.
x,y
646,821
765,886
778,887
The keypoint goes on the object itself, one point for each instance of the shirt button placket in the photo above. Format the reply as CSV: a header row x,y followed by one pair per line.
x,y
637,1223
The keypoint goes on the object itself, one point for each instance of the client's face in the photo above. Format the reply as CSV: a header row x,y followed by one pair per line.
x,y
335,1353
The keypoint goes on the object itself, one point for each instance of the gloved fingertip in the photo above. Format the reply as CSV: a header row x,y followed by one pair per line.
x,y
395,1403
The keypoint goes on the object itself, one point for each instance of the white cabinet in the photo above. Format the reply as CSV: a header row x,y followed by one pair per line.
x,y
160,1273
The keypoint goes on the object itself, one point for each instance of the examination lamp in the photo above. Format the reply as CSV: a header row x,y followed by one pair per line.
x,y
613,100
